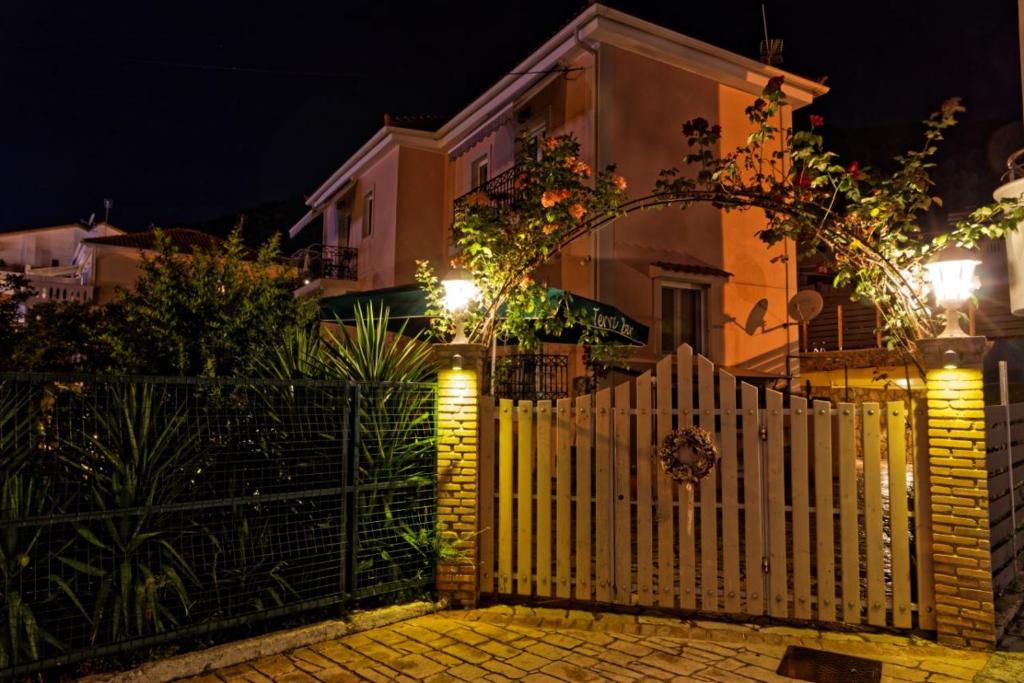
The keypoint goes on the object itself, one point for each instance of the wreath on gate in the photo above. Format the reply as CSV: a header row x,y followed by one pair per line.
x,y
699,443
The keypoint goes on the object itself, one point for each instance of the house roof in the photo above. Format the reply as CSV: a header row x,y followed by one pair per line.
x,y
184,240
693,266
77,226
595,24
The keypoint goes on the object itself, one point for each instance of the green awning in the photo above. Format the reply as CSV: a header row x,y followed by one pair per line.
x,y
408,304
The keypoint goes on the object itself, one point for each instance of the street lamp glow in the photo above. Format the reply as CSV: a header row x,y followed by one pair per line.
x,y
459,292
951,273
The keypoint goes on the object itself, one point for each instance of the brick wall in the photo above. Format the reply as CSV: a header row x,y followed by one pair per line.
x,y
457,429
956,454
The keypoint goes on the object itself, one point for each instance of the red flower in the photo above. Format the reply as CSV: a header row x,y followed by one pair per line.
x,y
817,121
854,170
774,85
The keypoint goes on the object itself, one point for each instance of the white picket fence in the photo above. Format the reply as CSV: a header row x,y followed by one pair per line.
x,y
809,514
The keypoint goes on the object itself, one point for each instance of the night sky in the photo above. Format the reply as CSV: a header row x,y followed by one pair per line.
x,y
186,111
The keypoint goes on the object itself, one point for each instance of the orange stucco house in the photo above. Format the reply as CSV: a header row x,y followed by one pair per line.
x,y
622,86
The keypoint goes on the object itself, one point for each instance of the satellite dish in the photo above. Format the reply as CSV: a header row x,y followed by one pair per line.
x,y
756,317
805,306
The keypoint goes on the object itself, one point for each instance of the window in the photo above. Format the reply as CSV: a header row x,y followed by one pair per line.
x,y
346,228
368,214
54,262
682,317
479,172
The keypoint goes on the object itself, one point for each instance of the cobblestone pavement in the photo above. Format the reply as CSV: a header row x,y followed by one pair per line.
x,y
535,644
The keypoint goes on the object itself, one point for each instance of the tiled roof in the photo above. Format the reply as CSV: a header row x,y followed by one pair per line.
x,y
693,266
184,240
425,122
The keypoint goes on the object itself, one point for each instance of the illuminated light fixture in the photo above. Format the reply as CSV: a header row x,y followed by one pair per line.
x,y
457,362
459,292
950,359
951,273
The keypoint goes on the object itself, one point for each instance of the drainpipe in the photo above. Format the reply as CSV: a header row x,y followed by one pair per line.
x,y
594,243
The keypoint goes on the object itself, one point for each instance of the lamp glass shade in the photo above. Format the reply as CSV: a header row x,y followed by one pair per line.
x,y
458,293
952,281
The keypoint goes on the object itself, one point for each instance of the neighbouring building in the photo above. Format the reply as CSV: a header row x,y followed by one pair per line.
x,y
622,86
112,263
48,258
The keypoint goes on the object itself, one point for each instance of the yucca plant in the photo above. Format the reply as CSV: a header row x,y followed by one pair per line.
x,y
395,418
19,420
20,634
247,572
142,456
396,436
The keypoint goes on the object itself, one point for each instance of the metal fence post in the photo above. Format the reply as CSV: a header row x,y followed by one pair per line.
x,y
350,529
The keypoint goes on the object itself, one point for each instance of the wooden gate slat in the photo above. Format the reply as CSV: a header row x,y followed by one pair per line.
x,y
544,498
923,518
505,467
486,493
753,519
524,498
563,497
584,441
824,516
603,507
644,521
730,502
897,437
708,492
800,502
666,489
848,521
687,546
778,573
622,586
875,544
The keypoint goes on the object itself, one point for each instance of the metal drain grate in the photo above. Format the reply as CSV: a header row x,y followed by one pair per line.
x,y
806,664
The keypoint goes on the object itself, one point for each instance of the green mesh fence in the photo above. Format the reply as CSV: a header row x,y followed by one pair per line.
x,y
139,510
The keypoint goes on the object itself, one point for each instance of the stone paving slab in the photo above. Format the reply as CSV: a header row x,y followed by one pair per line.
x,y
536,644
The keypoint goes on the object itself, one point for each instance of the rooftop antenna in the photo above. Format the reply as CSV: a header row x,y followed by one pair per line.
x,y
771,48
108,204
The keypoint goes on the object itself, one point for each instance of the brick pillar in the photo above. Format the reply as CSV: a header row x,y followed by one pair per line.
x,y
458,393
959,478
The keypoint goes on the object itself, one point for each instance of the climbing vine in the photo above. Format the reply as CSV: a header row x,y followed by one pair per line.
x,y
864,222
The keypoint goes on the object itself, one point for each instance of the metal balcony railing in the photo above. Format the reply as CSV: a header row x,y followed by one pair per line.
x,y
532,376
324,262
499,191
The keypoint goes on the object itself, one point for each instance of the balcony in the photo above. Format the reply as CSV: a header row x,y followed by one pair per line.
x,y
326,269
500,191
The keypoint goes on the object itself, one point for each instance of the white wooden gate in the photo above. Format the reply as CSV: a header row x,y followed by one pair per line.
x,y
809,514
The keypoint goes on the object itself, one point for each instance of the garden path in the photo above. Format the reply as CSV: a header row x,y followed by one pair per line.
x,y
537,644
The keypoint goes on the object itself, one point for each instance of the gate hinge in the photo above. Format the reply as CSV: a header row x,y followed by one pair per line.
x,y
764,565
